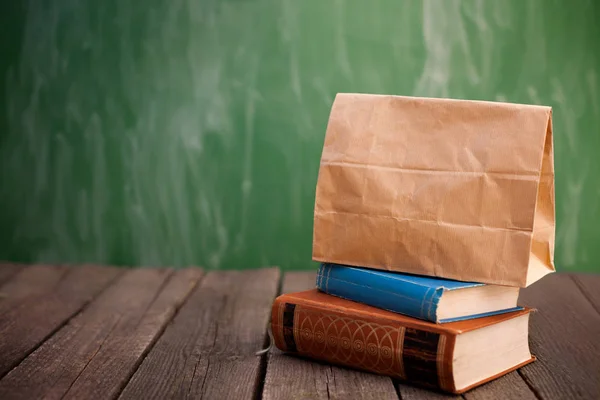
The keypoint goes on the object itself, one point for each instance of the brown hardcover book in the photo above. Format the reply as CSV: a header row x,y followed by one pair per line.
x,y
453,357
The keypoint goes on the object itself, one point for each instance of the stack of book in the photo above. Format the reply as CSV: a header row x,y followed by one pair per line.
x,y
430,215
439,333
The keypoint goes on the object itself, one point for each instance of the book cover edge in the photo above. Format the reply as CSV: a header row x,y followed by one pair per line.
x,y
410,321
429,300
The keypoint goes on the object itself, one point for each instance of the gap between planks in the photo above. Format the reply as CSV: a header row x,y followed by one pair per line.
x,y
564,336
160,333
51,296
108,338
268,345
208,351
590,287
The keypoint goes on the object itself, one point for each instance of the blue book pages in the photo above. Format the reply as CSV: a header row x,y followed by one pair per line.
x,y
413,295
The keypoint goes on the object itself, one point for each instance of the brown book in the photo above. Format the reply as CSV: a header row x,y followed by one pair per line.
x,y
453,357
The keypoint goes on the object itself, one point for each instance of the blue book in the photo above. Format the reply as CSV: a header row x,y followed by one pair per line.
x,y
432,299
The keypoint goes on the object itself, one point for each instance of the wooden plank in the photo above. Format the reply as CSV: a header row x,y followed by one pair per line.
x,y
564,336
25,326
94,355
29,281
123,353
508,387
589,284
209,349
7,271
291,376
409,392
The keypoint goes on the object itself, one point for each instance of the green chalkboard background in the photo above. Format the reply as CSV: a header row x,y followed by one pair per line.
x,y
189,131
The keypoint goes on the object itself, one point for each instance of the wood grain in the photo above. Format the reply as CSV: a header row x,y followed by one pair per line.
x,y
590,286
7,271
122,353
29,281
94,355
409,392
511,386
209,349
290,377
24,326
564,335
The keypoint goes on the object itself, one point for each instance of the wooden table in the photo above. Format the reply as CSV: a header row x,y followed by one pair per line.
x,y
98,332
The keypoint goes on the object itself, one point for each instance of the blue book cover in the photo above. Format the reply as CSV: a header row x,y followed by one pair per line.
x,y
413,295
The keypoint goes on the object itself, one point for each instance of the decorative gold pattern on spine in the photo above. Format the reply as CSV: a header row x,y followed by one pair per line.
x,y
279,331
441,366
399,351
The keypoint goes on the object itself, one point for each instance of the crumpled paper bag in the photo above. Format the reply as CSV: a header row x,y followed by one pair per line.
x,y
449,188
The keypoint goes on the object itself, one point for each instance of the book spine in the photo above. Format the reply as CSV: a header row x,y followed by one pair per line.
x,y
397,296
370,344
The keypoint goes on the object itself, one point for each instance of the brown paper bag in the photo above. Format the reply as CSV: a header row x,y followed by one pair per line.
x,y
449,188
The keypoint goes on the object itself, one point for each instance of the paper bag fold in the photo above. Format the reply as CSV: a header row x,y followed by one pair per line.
x,y
449,188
